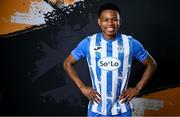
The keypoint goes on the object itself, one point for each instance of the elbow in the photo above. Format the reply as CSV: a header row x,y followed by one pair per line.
x,y
68,63
154,65
65,65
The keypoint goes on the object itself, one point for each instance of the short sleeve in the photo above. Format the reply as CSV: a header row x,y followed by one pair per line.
x,y
80,51
139,52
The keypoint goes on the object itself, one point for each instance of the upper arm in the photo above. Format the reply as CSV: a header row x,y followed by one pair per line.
x,y
139,52
142,54
81,50
77,53
149,61
70,60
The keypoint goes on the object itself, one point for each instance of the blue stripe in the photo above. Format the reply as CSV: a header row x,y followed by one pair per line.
x,y
109,49
89,62
118,94
88,57
120,56
92,78
109,106
98,39
90,106
109,73
109,83
99,107
98,70
118,88
98,56
118,109
128,107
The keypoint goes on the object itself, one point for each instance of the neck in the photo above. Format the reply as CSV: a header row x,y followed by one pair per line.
x,y
110,37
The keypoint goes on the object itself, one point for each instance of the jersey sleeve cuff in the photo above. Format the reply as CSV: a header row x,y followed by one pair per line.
x,y
75,56
144,57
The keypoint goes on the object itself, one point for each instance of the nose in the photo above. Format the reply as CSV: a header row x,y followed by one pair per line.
x,y
110,22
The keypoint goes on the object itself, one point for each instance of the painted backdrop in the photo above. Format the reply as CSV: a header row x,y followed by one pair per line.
x,y
37,35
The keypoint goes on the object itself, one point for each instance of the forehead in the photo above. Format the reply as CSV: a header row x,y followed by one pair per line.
x,y
109,13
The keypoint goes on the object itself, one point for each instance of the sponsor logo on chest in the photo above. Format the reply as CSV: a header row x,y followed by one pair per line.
x,y
109,63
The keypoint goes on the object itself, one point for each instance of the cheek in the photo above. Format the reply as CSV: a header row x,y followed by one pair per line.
x,y
118,25
102,25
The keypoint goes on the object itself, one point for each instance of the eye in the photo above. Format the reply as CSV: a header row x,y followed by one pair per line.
x,y
114,19
104,20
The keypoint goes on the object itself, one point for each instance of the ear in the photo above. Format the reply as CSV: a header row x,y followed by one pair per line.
x,y
120,21
99,22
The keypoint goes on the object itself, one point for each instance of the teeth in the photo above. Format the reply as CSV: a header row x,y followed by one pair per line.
x,y
110,29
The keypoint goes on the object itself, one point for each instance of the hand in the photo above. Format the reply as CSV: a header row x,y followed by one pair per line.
x,y
91,94
128,94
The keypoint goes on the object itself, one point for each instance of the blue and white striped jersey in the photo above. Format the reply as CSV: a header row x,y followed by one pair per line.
x,y
109,64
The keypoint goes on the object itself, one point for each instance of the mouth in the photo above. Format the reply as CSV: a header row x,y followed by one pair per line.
x,y
110,29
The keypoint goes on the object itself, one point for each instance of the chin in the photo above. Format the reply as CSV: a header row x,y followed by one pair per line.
x,y
111,34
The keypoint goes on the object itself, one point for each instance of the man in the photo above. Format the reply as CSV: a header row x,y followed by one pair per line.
x,y
109,56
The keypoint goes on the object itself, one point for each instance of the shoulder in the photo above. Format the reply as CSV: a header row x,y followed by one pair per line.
x,y
129,37
94,36
132,40
85,41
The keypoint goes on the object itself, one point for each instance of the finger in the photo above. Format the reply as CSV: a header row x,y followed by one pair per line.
x,y
129,98
98,95
123,92
123,100
120,97
97,100
91,97
123,95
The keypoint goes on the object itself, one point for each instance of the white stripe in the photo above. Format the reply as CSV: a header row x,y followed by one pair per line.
x,y
93,66
114,76
125,68
104,77
125,62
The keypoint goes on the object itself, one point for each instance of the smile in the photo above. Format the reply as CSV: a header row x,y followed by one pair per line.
x,y
110,29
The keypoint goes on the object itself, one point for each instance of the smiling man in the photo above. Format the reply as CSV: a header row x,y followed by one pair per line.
x,y
109,56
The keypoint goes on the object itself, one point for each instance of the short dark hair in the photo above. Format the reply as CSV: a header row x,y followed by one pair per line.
x,y
108,6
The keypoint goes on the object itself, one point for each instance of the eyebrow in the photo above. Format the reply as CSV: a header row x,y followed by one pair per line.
x,y
108,18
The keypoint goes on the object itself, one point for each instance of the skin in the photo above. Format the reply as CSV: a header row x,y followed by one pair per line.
x,y
109,22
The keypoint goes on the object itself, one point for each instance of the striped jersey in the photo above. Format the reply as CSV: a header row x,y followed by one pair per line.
x,y
109,64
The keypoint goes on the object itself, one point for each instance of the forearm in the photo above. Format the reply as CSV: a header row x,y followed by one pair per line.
x,y
150,68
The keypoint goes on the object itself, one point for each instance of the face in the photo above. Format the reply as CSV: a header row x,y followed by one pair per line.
x,y
109,22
